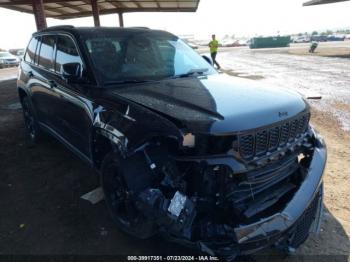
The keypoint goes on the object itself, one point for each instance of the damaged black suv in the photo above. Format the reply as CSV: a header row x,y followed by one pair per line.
x,y
207,160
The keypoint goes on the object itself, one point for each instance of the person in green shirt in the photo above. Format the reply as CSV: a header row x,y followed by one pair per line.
x,y
214,45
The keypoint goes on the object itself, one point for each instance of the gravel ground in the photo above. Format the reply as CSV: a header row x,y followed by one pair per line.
x,y
294,69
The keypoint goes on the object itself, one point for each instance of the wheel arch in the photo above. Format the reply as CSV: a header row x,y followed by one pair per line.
x,y
105,141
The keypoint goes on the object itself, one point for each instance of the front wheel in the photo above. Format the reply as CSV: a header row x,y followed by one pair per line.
x,y
120,202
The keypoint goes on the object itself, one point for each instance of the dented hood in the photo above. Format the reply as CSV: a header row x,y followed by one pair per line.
x,y
215,104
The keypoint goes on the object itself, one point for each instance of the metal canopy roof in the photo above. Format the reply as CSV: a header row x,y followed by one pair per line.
x,y
63,9
321,2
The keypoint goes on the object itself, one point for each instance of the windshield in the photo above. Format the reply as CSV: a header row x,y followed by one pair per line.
x,y
143,56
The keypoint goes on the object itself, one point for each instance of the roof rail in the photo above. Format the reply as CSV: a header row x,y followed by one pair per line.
x,y
138,27
57,27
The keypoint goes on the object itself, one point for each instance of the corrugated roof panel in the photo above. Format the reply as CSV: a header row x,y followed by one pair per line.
x,y
86,7
68,10
106,5
168,4
64,9
51,13
130,4
52,5
26,7
187,5
148,4
76,2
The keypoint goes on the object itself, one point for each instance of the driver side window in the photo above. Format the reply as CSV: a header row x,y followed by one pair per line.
x,y
66,52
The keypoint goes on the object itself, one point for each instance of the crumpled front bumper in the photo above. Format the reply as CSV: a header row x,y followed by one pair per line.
x,y
302,213
308,191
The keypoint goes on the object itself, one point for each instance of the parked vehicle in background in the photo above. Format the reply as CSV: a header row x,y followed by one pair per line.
x,y
234,43
206,160
7,60
20,54
302,39
319,38
336,38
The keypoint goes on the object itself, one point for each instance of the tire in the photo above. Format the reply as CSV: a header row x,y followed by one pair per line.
x,y
120,203
31,125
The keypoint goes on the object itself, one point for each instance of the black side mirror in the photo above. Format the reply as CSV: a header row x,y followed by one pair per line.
x,y
207,59
71,72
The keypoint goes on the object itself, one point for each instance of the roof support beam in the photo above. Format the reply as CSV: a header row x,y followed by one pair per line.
x,y
39,14
95,12
121,20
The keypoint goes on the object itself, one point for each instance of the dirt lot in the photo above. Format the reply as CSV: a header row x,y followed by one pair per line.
x,y
325,49
42,213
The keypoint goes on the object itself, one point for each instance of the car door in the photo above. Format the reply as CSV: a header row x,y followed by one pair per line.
x,y
40,78
73,109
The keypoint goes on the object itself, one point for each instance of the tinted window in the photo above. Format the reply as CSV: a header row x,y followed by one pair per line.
x,y
29,57
46,51
66,52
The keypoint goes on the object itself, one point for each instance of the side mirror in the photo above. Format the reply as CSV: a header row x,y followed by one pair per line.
x,y
71,72
207,59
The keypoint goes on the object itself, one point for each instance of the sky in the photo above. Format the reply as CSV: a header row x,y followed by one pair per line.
x,y
242,18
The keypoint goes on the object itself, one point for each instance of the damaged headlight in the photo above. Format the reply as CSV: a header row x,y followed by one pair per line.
x,y
189,140
319,138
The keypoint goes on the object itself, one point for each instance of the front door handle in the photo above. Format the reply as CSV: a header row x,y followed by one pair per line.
x,y
52,83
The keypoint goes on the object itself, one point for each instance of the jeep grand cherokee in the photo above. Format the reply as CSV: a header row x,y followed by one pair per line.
x,y
207,160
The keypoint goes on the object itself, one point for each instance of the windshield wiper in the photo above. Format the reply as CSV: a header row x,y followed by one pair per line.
x,y
126,81
196,71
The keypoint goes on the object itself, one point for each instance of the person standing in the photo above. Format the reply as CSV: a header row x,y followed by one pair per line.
x,y
214,45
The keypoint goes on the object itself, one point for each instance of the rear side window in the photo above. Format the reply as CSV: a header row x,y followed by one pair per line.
x,y
46,51
66,52
29,57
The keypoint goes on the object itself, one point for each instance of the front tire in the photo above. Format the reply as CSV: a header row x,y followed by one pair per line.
x,y
120,202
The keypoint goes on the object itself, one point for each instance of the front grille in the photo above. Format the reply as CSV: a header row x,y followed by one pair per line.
x,y
252,144
304,223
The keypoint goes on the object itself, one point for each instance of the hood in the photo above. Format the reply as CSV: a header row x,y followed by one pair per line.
x,y
216,104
